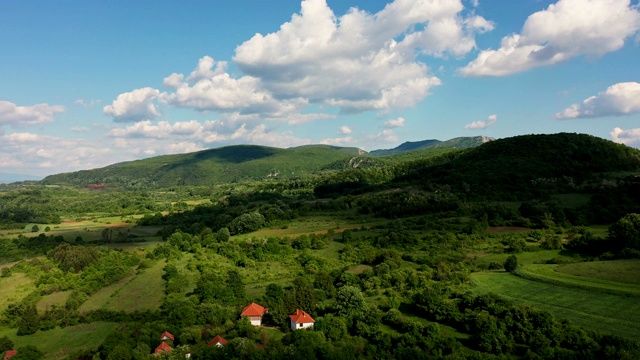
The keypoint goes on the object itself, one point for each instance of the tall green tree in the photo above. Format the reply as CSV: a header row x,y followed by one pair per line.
x,y
349,301
511,264
625,233
29,321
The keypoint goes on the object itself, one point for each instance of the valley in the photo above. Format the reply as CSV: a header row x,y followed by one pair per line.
x,y
401,257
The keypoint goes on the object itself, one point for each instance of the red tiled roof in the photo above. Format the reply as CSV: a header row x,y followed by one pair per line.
x,y
301,316
217,339
162,348
166,335
9,354
253,309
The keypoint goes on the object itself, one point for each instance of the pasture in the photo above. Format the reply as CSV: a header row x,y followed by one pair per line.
x,y
608,313
622,271
14,288
58,299
143,291
59,343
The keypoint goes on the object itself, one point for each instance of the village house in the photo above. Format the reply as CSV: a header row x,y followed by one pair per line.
x,y
301,320
162,348
166,336
217,341
255,313
9,354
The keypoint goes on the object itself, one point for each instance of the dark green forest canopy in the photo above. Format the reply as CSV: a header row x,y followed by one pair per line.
x,y
527,166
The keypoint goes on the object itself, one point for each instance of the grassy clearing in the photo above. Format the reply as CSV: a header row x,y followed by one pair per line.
x,y
607,313
144,292
622,271
14,288
58,343
57,299
103,296
526,258
549,273
573,200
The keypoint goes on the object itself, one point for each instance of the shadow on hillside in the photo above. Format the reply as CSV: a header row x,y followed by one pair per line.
x,y
235,154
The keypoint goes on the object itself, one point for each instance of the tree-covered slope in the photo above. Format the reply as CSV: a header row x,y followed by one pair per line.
x,y
227,164
413,146
528,164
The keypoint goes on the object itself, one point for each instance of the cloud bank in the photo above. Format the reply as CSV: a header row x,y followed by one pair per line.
x,y
566,29
618,100
11,114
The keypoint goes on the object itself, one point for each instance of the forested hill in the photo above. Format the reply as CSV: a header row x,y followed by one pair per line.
x,y
411,146
524,166
221,165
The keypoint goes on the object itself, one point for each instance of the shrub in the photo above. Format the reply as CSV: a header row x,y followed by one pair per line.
x,y
511,264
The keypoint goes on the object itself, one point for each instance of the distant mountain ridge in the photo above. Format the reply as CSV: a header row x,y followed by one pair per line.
x,y
242,162
455,143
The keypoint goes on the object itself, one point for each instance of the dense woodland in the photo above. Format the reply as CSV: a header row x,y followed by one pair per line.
x,y
403,257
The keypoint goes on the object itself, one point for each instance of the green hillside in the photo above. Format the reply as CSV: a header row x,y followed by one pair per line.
x,y
222,165
413,146
524,166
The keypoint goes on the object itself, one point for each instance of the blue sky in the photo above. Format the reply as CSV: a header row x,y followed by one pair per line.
x,y
84,84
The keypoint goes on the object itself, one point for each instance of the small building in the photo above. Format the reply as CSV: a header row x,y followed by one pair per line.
x,y
162,348
301,320
217,341
9,354
166,336
255,313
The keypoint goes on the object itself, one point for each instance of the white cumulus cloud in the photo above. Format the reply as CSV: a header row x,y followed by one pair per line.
x,y
359,61
617,100
18,150
629,137
14,115
134,105
491,119
345,130
394,123
564,30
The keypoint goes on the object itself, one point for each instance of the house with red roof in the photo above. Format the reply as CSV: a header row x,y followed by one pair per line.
x,y
301,320
9,354
255,313
217,341
162,348
166,336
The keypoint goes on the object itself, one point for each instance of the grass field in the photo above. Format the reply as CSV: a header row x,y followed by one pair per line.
x,y
58,343
14,288
573,200
58,299
103,296
550,274
608,313
144,292
622,271
527,258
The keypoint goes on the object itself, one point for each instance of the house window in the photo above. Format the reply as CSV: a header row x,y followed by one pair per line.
x,y
299,325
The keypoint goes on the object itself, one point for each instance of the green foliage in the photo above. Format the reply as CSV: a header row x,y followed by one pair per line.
x,y
28,352
5,344
625,233
29,321
511,264
73,257
349,301
246,223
